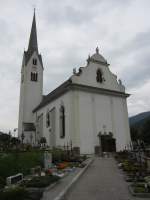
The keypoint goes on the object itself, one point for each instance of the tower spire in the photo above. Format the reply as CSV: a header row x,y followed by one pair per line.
x,y
33,45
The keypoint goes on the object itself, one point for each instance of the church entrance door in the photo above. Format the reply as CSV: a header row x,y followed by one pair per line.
x,y
108,143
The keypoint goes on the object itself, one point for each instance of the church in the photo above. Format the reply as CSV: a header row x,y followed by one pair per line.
x,y
84,110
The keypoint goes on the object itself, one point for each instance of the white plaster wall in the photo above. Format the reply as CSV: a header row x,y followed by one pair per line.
x,y
95,111
33,90
99,110
122,123
30,92
88,77
63,100
86,114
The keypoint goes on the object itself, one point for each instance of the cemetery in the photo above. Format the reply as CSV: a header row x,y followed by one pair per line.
x,y
26,174
135,166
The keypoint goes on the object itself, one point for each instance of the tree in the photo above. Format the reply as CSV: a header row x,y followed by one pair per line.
x,y
146,132
15,141
4,141
134,134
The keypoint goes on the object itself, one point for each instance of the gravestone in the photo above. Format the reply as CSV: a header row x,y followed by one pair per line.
x,y
47,160
14,179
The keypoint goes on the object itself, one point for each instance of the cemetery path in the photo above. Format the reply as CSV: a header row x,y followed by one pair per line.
x,y
102,181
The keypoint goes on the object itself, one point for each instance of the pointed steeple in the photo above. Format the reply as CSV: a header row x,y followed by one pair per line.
x,y
33,44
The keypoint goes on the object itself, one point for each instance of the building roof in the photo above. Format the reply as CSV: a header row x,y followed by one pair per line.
x,y
69,85
27,56
33,44
54,94
98,58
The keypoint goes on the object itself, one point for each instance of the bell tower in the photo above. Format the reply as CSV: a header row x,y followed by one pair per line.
x,y
31,87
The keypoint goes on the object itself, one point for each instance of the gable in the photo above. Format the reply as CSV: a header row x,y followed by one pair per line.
x,y
89,75
28,56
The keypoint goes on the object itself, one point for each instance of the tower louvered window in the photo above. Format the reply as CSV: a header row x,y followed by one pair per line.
x,y
34,61
34,76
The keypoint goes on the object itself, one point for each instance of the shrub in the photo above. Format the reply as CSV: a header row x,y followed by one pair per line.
x,y
139,189
19,162
2,182
41,181
147,179
17,193
57,155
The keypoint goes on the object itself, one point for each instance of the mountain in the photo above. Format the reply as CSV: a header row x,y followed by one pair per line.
x,y
139,119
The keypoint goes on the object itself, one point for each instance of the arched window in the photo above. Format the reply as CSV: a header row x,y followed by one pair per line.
x,y
22,78
34,61
47,119
62,122
99,76
34,76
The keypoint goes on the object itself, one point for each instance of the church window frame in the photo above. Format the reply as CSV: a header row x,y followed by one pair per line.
x,y
62,122
34,61
22,78
34,76
99,76
48,119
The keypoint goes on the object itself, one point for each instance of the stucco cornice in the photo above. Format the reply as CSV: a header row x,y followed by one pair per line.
x,y
68,86
87,88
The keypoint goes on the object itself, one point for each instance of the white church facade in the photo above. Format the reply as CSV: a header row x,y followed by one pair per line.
x,y
91,103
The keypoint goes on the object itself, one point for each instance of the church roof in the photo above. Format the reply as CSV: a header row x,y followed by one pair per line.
x,y
33,44
98,58
27,56
69,85
54,94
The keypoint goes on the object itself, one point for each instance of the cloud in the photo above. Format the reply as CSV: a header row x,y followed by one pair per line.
x,y
139,100
68,31
132,59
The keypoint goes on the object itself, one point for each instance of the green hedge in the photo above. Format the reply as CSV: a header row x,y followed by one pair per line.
x,y
2,182
17,193
19,162
42,181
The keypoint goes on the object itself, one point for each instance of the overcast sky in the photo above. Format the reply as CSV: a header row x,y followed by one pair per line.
x,y
69,30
